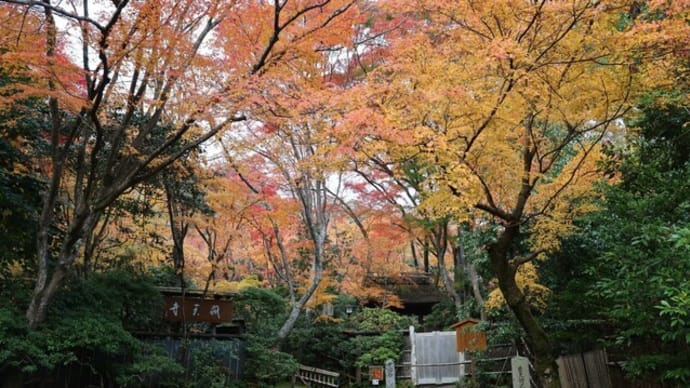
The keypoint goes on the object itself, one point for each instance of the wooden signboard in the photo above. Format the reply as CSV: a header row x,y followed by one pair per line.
x,y
467,337
178,309
375,374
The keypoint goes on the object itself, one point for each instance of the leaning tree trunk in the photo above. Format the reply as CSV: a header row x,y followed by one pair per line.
x,y
297,308
318,233
476,291
505,270
48,284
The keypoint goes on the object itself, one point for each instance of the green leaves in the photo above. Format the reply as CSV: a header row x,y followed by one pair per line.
x,y
633,257
90,325
376,350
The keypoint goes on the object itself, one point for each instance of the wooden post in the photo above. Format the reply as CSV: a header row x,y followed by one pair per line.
x,y
473,369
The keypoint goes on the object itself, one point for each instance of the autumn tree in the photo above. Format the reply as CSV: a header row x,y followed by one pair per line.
x,y
403,186
225,231
505,103
186,64
293,157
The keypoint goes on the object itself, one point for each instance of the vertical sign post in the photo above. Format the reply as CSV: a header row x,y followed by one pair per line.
x,y
520,371
390,373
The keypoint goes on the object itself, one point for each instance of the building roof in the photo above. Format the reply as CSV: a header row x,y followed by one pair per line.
x,y
193,292
465,322
411,288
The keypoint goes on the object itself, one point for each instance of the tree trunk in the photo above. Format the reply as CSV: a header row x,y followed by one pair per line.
x,y
179,226
440,242
449,284
425,254
466,267
474,281
82,225
545,362
297,308
42,297
415,262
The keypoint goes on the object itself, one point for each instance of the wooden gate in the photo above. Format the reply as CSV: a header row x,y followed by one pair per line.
x,y
584,370
435,359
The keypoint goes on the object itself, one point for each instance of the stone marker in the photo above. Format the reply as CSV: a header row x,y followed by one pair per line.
x,y
390,374
520,370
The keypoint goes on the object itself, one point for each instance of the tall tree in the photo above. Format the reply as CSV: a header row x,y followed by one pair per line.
x,y
506,102
295,159
143,64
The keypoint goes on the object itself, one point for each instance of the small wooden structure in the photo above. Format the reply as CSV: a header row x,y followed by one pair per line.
x,y
467,337
318,377
416,291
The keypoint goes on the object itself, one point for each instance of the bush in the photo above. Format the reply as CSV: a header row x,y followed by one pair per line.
x,y
88,329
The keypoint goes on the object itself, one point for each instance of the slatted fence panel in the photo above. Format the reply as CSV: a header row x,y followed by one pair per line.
x,y
318,377
436,359
584,370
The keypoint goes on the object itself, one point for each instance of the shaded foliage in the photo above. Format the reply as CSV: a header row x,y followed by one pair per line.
x,y
622,281
264,312
20,183
91,328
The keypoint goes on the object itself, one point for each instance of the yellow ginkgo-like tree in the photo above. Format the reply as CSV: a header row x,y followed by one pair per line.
x,y
504,104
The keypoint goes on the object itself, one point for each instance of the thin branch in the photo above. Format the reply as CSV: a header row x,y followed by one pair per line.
x,y
59,11
520,260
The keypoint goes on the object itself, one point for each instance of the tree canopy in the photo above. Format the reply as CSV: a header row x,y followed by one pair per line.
x,y
294,151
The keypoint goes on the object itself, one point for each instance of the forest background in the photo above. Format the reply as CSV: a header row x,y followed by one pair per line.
x,y
531,156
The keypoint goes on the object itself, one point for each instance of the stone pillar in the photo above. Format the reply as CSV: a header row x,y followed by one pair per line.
x,y
390,373
520,371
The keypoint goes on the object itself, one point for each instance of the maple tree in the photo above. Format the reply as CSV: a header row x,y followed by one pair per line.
x,y
155,80
293,160
504,104
436,234
222,231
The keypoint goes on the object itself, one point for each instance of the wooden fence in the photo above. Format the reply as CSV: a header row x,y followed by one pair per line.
x,y
584,370
317,377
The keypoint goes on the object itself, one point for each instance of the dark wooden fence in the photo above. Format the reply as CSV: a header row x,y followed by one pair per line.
x,y
585,370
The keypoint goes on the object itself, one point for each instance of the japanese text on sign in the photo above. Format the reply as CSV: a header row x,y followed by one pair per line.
x,y
178,309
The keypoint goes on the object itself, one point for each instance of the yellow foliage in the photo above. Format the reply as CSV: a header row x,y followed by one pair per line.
x,y
226,286
502,104
234,286
527,280
575,189
322,295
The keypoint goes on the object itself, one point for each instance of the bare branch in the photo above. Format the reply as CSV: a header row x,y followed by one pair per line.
x,y
59,11
516,262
